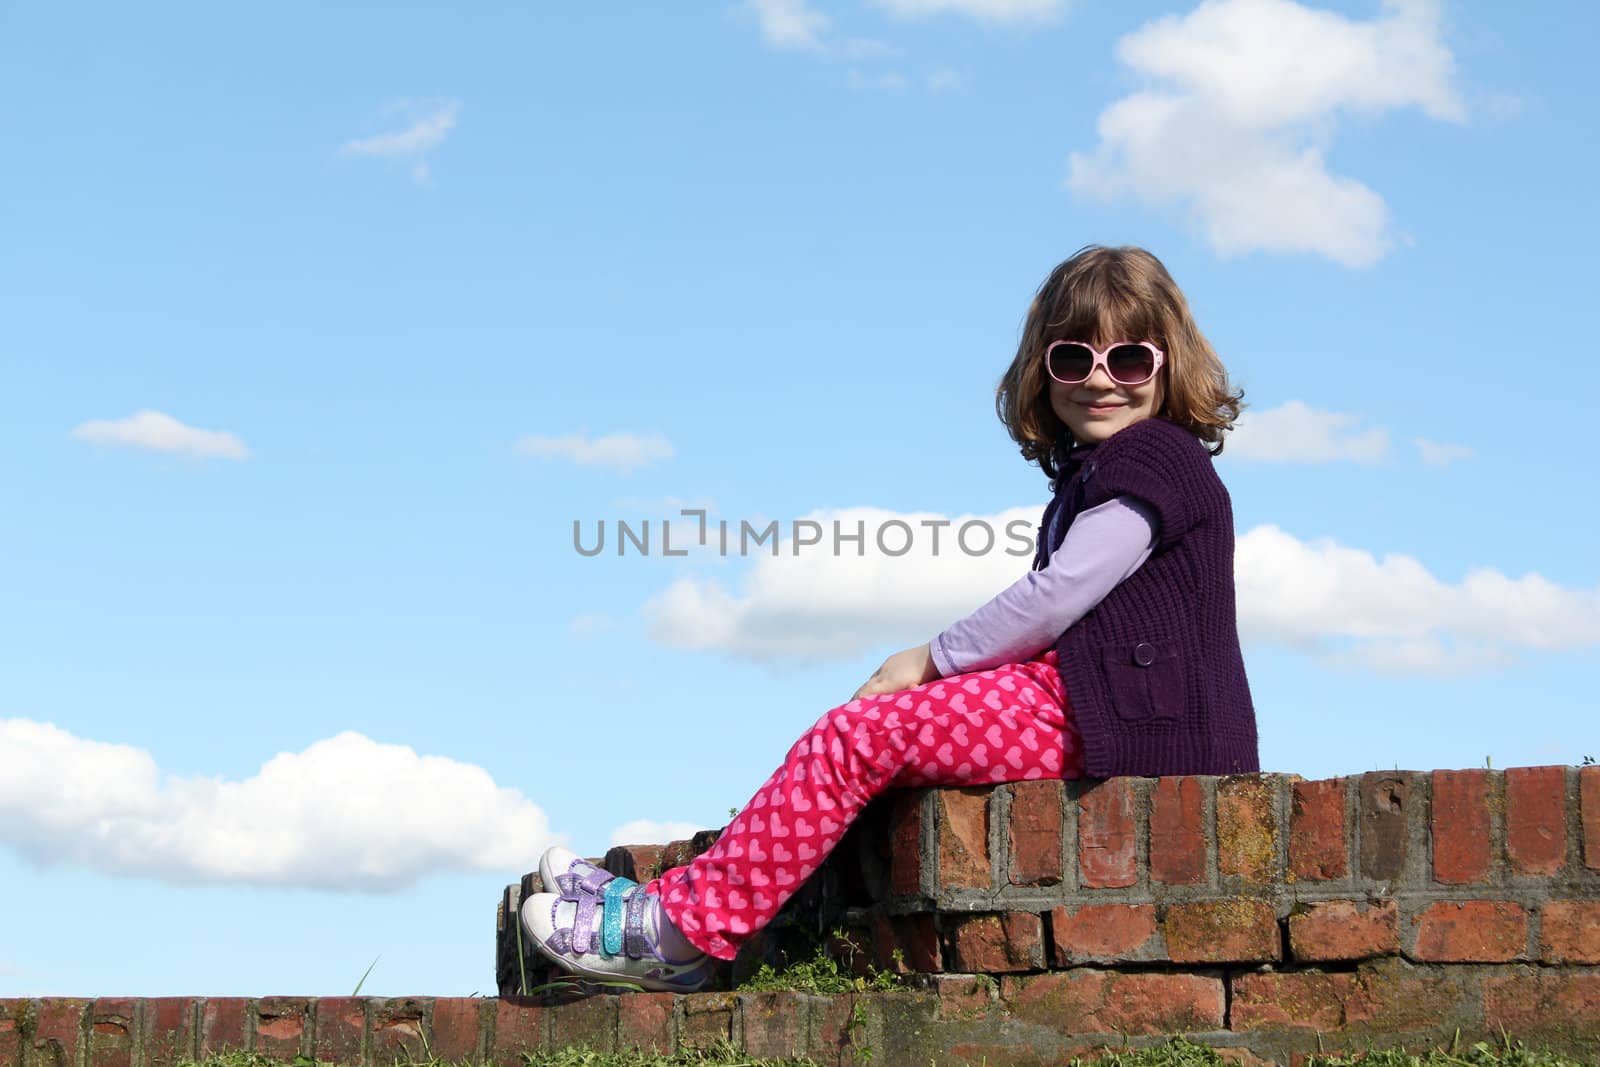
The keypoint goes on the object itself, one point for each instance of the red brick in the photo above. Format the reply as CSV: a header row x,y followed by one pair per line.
x,y
1536,819
400,1029
113,1031
964,837
1107,1002
1589,802
1569,931
1560,1004
905,842
1232,930
12,1014
1247,827
962,996
1310,1000
223,1022
1344,930
638,862
1317,849
915,936
1385,996
1178,831
1472,931
519,1026
1386,800
283,1027
644,1022
707,1017
590,1022
169,1029
58,1030
774,1024
1035,832
1106,835
1460,826
830,1029
997,943
453,1036
1103,932
1393,996
341,1030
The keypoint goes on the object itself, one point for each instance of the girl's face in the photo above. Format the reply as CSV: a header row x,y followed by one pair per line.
x,y
1097,408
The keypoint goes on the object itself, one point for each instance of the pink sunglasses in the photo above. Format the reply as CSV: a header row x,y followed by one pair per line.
x,y
1125,362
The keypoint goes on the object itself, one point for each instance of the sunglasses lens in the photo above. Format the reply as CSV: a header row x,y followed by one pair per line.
x,y
1071,362
1131,364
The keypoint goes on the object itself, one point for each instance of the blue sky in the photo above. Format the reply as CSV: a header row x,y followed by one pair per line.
x,y
323,327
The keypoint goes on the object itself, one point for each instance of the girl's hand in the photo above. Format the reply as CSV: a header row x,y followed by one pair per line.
x,y
912,667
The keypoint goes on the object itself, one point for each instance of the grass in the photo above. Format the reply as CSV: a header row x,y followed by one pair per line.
x,y
822,973
1175,1053
1181,1053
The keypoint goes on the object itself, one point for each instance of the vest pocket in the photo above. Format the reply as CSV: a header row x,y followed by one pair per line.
x,y
1145,678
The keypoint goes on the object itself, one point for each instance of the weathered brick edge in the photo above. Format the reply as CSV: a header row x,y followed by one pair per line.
x,y
1256,1017
1470,866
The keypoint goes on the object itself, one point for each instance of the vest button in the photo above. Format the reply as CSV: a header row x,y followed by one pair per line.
x,y
1144,654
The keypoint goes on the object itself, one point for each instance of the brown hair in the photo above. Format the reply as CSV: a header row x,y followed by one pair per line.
x,y
1106,294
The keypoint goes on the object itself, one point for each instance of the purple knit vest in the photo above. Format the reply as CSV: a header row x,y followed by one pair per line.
x,y
1154,673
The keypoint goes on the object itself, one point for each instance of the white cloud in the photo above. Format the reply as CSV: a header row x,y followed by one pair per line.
x,y
1299,433
817,605
348,813
425,133
1393,614
795,26
622,451
1438,454
791,25
160,432
651,832
982,10
1341,604
1245,96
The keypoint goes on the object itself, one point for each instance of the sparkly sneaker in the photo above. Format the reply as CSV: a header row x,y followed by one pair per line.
x,y
564,872
612,935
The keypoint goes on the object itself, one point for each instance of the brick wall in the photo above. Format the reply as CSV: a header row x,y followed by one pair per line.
x,y
1262,914
1258,908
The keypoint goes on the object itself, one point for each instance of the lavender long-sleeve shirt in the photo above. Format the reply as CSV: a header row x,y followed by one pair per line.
x,y
1103,546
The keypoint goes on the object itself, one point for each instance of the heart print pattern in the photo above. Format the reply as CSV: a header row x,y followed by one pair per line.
x,y
1007,724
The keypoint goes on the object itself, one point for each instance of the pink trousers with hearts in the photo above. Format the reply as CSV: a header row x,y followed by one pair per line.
x,y
1003,725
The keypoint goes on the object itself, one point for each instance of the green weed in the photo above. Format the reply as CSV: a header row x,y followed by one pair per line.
x,y
1176,1053
822,973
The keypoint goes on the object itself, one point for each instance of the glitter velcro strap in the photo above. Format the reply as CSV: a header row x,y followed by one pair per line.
x,y
634,943
595,880
611,915
583,923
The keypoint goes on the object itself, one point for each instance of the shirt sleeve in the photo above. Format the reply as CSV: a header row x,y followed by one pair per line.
x,y
1104,545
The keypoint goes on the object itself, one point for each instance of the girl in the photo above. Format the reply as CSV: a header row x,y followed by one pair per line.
x,y
1129,610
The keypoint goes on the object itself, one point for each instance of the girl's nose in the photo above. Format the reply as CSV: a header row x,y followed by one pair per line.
x,y
1099,379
